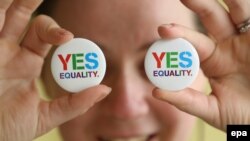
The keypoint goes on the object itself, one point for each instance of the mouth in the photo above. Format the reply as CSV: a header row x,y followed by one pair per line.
x,y
152,137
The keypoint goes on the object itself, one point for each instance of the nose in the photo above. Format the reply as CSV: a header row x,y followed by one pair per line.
x,y
128,97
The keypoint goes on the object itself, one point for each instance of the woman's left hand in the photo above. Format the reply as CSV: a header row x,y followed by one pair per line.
x,y
224,60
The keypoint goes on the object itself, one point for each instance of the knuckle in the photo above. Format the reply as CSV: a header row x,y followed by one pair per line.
x,y
26,6
42,21
41,18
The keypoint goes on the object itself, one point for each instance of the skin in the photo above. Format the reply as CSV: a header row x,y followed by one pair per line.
x,y
22,60
130,30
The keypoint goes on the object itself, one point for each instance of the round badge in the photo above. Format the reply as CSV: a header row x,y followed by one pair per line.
x,y
78,64
172,64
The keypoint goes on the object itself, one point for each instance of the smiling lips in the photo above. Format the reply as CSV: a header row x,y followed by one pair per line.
x,y
141,138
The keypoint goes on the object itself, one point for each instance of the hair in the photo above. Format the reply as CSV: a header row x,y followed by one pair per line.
x,y
46,7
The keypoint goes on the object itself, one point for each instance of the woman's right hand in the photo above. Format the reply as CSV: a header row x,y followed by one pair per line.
x,y
23,115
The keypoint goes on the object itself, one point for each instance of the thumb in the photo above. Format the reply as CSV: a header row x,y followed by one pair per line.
x,y
192,102
68,107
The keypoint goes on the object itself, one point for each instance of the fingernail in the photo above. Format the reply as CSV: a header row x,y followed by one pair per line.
x,y
170,25
64,32
155,93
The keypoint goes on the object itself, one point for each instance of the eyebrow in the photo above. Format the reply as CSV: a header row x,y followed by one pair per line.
x,y
101,46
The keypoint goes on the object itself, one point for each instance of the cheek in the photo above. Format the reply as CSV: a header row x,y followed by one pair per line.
x,y
166,113
176,125
71,130
77,128
200,82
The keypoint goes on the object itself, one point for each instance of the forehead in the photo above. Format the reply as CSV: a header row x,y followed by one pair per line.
x,y
119,22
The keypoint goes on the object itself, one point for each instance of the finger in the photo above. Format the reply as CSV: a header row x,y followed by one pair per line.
x,y
17,18
239,10
68,107
4,5
213,16
204,45
192,102
43,33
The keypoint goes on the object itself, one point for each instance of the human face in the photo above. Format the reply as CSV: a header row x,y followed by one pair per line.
x,y
124,30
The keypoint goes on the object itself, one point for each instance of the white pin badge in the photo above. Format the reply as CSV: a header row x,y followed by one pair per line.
x,y
78,64
172,64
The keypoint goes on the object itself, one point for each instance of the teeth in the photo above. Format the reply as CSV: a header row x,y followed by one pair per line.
x,y
131,139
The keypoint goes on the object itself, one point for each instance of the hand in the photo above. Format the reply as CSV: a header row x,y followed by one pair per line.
x,y
224,60
23,115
